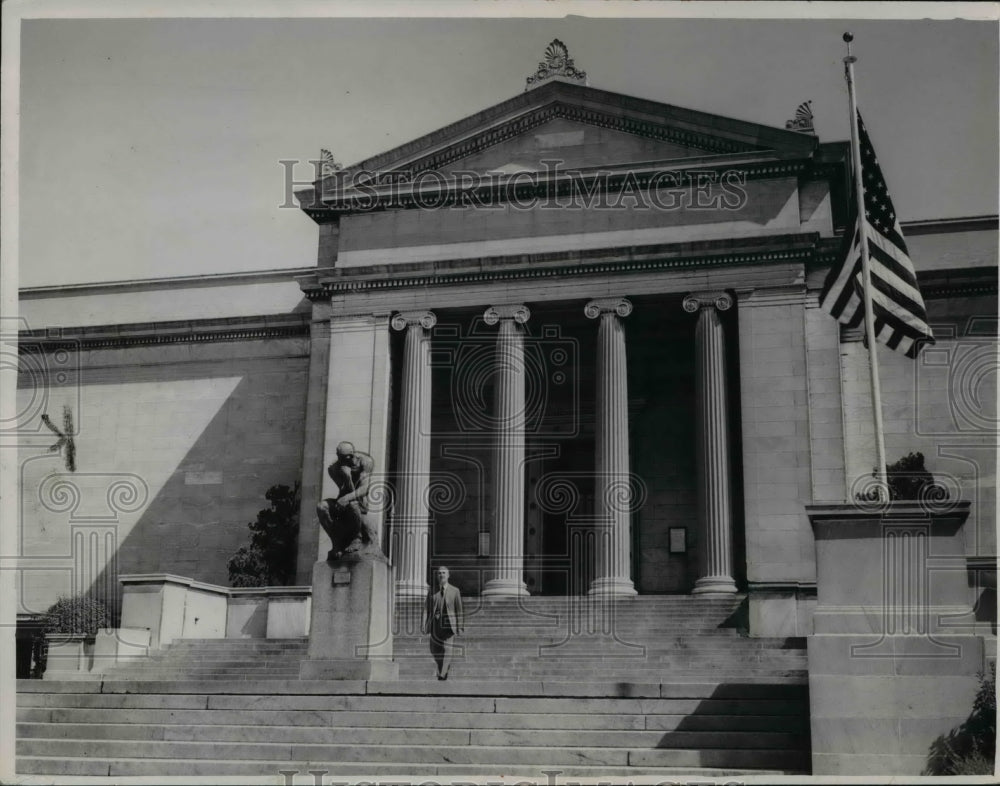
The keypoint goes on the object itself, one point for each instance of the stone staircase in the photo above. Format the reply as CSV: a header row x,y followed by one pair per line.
x,y
653,686
644,639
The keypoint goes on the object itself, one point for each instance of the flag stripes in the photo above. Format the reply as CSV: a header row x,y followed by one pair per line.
x,y
900,316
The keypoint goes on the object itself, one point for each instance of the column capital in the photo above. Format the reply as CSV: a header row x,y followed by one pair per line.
x,y
723,301
618,305
402,320
519,312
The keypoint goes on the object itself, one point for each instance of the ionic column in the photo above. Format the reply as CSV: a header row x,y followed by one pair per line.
x,y
715,543
507,535
410,524
612,490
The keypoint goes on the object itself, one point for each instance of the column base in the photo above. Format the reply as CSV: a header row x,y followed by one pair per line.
x,y
411,589
612,587
714,585
505,588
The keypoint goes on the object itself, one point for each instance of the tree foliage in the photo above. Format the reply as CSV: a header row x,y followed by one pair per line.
x,y
971,748
269,560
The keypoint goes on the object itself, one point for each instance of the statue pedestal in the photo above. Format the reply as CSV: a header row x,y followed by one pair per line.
x,y
351,632
895,650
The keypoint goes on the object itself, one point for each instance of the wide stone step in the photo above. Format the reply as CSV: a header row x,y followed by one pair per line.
x,y
416,754
539,650
35,721
129,767
324,705
343,690
466,676
440,735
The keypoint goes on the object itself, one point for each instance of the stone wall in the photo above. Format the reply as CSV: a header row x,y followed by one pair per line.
x,y
175,446
776,454
942,405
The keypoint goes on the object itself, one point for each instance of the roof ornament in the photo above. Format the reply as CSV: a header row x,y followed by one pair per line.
x,y
557,64
328,165
803,120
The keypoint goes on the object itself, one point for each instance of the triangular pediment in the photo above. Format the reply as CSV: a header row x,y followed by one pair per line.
x,y
555,116
569,144
581,127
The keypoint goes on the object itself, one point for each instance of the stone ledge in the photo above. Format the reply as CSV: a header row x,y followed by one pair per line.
x,y
744,688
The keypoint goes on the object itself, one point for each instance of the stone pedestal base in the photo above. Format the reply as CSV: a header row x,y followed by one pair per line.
x,y
890,673
351,632
879,704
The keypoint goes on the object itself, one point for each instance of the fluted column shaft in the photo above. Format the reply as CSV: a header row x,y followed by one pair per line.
x,y
712,446
411,517
612,489
507,534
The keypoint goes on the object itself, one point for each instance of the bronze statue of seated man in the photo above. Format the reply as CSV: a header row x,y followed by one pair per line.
x,y
344,518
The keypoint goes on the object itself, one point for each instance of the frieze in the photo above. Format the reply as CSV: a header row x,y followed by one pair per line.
x,y
456,193
136,335
633,259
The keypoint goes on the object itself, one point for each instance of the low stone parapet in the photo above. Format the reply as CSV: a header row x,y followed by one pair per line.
x,y
894,658
175,607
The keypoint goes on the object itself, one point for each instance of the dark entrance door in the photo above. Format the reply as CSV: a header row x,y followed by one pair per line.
x,y
559,511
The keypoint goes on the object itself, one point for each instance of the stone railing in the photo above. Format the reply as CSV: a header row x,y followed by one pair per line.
x,y
174,607
158,608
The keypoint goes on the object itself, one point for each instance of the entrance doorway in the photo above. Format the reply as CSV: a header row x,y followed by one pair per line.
x,y
559,516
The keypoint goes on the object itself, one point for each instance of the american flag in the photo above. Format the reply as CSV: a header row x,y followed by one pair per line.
x,y
900,317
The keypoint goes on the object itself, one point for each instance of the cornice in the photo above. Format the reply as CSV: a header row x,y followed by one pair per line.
x,y
564,264
153,284
157,333
939,226
382,194
937,284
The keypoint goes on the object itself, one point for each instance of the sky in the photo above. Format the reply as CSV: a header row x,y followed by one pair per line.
x,y
150,147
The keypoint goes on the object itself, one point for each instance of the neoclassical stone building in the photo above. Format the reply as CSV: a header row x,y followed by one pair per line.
x,y
578,333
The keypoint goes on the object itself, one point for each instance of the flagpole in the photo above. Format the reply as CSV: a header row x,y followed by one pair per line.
x,y
859,196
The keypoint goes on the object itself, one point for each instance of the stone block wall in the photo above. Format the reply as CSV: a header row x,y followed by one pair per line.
x,y
175,447
776,444
943,405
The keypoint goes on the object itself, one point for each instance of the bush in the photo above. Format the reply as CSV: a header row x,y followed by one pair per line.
x,y
76,615
971,748
908,479
67,615
270,558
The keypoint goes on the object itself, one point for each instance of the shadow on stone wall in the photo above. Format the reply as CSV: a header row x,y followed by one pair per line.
x,y
198,519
